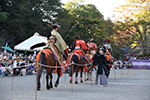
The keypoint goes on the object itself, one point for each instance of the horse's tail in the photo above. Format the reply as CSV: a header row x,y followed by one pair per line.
x,y
42,61
40,68
75,58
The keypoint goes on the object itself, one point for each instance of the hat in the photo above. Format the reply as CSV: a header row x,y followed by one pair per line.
x,y
56,25
101,49
76,37
108,41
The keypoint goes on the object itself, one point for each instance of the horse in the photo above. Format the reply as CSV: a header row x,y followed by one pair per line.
x,y
46,57
87,74
77,63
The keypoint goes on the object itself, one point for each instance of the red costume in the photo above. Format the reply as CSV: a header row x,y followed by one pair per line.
x,y
108,60
92,46
80,44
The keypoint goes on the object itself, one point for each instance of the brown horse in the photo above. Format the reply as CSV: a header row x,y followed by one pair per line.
x,y
79,63
46,57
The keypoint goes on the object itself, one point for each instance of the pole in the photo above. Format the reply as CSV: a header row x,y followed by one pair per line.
x,y
121,72
12,81
138,69
44,77
65,76
131,70
36,85
91,74
114,74
128,72
72,78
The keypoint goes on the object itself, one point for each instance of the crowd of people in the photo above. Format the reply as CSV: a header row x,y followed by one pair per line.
x,y
125,63
13,64
137,58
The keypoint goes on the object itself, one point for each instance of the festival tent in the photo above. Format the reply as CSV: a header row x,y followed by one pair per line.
x,y
25,45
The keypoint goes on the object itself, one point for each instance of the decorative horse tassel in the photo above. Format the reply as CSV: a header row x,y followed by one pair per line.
x,y
61,71
71,78
76,79
85,68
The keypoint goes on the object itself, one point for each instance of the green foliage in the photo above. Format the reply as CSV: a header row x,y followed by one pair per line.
x,y
90,22
136,17
3,16
26,17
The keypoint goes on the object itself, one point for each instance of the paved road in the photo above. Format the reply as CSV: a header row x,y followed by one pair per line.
x,y
132,85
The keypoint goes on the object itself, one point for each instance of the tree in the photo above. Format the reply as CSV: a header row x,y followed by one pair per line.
x,y
87,21
3,16
27,17
134,20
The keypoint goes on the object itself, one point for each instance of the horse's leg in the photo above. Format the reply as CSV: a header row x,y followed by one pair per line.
x,y
51,77
38,78
85,76
57,81
47,80
77,70
71,72
88,72
42,61
81,75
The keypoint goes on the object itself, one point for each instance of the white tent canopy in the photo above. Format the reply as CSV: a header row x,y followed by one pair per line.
x,y
25,45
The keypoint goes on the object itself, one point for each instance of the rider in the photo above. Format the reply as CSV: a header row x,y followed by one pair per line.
x,y
78,46
92,46
57,44
108,48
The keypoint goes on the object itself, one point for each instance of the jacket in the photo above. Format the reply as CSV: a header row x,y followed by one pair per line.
x,y
100,60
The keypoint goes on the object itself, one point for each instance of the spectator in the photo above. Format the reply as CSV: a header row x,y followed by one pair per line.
x,y
6,65
3,70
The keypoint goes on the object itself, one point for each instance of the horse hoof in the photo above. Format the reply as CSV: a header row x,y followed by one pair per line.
x,y
38,89
70,81
81,81
76,82
48,88
51,86
56,85
87,79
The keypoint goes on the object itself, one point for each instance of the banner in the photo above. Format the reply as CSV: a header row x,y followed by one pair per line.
x,y
140,64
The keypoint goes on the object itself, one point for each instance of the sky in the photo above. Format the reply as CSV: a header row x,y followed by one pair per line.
x,y
104,6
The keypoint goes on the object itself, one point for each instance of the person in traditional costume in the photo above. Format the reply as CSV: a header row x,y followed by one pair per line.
x,y
92,46
108,48
57,44
78,46
100,60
